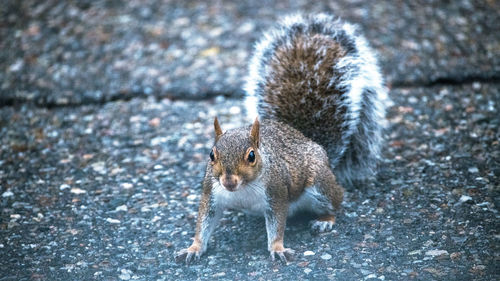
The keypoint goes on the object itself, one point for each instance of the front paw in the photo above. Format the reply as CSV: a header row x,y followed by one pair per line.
x,y
284,254
187,255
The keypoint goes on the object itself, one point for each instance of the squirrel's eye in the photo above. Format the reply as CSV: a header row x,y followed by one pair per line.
x,y
212,156
251,156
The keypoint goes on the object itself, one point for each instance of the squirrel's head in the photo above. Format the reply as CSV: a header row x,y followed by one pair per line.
x,y
235,157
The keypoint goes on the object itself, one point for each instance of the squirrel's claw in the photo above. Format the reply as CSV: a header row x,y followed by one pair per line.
x,y
187,255
183,256
322,226
285,256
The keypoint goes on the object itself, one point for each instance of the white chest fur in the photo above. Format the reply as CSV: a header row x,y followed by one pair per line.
x,y
250,198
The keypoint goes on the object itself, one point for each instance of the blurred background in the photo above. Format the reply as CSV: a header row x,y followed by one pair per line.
x,y
106,111
73,52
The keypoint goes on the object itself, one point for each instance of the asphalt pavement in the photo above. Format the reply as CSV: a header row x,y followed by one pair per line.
x,y
106,112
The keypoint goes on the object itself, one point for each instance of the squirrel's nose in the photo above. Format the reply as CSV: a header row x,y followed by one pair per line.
x,y
230,182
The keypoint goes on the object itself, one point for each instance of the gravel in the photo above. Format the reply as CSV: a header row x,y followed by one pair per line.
x,y
105,192
106,112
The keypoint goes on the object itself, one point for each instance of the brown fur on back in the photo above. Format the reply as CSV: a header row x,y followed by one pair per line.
x,y
303,75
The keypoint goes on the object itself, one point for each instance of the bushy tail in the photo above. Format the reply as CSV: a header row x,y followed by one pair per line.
x,y
362,154
318,75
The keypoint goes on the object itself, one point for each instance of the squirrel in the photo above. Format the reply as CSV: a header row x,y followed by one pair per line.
x,y
315,85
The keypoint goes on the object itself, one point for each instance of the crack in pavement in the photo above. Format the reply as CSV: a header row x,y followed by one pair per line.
x,y
489,78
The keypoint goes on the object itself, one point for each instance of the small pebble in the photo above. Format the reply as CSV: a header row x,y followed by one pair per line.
x,y
326,257
99,167
125,274
351,215
473,170
122,208
77,190
7,193
113,221
126,185
15,216
436,253
219,274
17,65
307,270
465,198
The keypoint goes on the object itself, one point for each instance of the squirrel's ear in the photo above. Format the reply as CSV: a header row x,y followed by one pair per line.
x,y
218,130
254,133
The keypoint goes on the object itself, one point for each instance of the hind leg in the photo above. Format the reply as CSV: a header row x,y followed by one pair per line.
x,y
330,194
